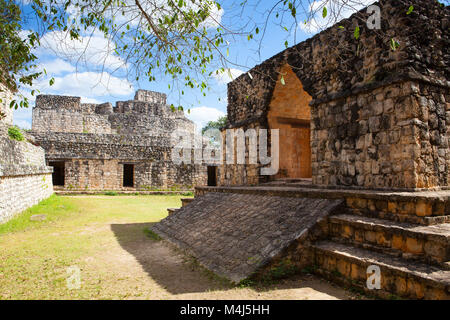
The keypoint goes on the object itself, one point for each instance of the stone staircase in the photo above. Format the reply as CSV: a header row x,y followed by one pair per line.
x,y
405,234
413,259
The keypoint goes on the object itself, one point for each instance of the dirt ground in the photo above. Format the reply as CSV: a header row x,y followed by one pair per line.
x,y
163,272
117,260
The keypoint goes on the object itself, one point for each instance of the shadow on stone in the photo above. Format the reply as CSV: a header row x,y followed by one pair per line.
x,y
169,268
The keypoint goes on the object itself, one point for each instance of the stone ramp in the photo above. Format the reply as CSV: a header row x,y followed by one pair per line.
x,y
235,234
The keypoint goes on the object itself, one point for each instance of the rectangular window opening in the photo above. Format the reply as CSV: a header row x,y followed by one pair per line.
x,y
58,175
128,175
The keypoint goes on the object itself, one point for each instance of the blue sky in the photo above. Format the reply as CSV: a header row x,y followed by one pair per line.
x,y
100,76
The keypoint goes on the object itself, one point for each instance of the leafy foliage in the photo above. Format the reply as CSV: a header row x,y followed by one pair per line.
x,y
17,65
176,38
15,133
220,123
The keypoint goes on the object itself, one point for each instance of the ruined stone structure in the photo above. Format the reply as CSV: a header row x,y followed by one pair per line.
x,y
101,147
6,113
25,179
370,125
355,112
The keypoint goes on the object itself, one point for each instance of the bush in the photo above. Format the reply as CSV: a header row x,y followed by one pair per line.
x,y
15,133
111,193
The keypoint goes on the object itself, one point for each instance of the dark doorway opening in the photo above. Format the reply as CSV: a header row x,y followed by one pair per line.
x,y
58,172
128,175
212,176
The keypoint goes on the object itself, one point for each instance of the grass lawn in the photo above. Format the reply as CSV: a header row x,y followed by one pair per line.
x,y
104,237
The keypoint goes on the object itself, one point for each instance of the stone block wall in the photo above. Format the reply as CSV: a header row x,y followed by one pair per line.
x,y
148,114
100,174
379,117
95,141
6,113
394,136
19,192
24,178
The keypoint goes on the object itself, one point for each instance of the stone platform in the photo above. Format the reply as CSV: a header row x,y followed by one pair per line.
x,y
239,232
236,234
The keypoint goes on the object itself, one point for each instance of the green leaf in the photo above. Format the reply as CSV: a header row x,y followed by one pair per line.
x,y
394,44
324,12
356,33
282,81
410,10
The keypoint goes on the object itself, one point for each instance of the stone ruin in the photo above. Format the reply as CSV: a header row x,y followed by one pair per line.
x,y
364,170
25,179
101,147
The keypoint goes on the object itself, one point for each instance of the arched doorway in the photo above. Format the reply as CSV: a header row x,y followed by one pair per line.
x,y
289,112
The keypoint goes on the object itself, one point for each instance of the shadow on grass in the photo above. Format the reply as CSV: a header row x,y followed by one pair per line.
x,y
179,273
170,269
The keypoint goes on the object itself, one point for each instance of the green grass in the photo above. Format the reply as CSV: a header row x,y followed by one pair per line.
x,y
55,208
78,231
152,235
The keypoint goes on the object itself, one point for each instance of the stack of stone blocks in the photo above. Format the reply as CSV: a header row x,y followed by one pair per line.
x,y
25,179
95,140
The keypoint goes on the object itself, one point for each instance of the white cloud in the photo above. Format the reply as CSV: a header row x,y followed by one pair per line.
x,y
90,100
56,67
227,76
92,50
87,84
336,11
202,115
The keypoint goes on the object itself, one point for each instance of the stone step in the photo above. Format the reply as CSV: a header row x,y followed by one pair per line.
x,y
171,211
186,201
236,235
348,265
428,243
407,218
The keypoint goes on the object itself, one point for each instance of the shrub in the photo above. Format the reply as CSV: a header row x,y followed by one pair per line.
x,y
15,133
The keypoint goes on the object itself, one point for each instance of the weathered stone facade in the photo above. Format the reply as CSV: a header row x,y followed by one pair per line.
x,y
235,234
95,143
6,113
24,177
379,118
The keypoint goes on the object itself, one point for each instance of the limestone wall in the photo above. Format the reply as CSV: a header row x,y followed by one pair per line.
x,y
148,114
96,174
395,136
95,141
379,117
20,192
24,178
6,113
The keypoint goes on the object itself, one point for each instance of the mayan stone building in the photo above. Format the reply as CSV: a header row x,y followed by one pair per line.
x,y
101,147
362,194
25,179
355,112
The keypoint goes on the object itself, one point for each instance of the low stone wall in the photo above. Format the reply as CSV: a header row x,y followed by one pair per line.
x,y
24,178
6,113
100,174
18,193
